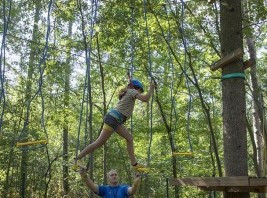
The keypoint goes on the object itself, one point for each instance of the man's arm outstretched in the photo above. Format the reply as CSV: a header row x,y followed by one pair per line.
x,y
135,186
94,187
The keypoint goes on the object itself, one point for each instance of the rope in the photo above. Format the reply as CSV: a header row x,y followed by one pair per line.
x,y
41,72
38,91
172,80
148,38
81,56
150,74
88,69
186,77
181,30
132,46
40,86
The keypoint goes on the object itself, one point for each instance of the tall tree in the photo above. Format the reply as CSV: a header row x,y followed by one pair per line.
x,y
28,97
233,94
66,115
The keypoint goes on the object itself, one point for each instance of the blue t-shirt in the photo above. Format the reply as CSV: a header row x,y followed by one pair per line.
x,y
120,191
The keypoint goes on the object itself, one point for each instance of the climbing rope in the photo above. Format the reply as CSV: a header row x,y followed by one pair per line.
x,y
40,81
150,75
181,30
87,81
132,47
41,67
170,62
186,78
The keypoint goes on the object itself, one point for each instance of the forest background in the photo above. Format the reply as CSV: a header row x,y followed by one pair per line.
x,y
62,64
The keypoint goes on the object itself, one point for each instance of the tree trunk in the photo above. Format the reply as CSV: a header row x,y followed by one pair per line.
x,y
168,129
66,118
24,135
7,182
258,118
258,135
233,95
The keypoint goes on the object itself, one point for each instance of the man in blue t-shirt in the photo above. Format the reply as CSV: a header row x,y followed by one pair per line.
x,y
114,190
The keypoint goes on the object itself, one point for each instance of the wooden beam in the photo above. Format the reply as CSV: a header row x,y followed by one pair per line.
x,y
258,181
256,189
226,184
211,181
235,55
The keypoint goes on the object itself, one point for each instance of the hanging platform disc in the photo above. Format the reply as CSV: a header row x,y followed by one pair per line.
x,y
143,170
31,143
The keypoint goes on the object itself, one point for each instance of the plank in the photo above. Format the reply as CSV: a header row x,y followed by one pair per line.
x,y
236,54
258,181
256,189
211,181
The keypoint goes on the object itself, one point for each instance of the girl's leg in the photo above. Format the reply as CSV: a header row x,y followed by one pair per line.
x,y
122,131
103,137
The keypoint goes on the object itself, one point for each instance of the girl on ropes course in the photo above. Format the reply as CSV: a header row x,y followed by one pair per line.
x,y
114,121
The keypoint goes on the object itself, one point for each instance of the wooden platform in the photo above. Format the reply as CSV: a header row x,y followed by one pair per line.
x,y
227,184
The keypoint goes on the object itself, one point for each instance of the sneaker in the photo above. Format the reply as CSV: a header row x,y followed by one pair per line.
x,y
77,165
140,168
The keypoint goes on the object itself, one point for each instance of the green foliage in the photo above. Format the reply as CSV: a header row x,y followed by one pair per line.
x,y
114,26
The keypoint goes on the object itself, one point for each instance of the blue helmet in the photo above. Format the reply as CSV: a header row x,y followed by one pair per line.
x,y
138,84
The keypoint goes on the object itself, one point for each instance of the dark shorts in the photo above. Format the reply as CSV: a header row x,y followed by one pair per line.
x,y
114,118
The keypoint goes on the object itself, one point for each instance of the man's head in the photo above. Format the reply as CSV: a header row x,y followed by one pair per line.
x,y
113,177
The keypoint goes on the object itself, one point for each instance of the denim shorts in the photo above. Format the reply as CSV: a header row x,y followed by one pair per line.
x,y
114,118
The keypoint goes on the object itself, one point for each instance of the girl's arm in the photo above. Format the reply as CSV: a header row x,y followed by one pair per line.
x,y
146,97
94,187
